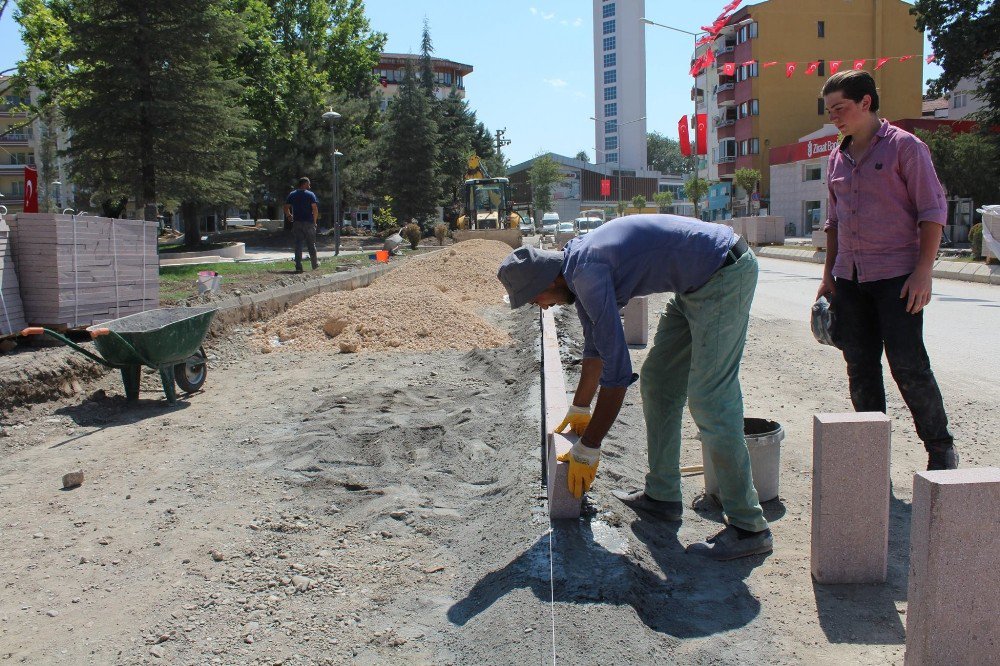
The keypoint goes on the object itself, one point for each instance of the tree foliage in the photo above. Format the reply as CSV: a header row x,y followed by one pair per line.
x,y
544,173
583,156
664,155
663,200
963,34
968,164
638,201
696,188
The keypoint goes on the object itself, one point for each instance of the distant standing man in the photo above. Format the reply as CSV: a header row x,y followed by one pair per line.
x,y
695,357
303,207
885,216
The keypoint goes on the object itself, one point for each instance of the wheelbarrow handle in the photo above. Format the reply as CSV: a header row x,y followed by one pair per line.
x,y
98,332
40,330
33,330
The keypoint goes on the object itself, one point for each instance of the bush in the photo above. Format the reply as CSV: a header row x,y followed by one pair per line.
x,y
639,201
348,231
412,233
976,238
440,232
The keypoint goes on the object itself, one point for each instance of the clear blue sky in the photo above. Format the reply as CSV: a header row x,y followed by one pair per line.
x,y
533,62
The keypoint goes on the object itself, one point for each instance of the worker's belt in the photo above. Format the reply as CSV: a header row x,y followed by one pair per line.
x,y
736,250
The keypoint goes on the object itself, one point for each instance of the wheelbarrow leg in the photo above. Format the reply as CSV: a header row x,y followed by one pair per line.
x,y
131,376
169,388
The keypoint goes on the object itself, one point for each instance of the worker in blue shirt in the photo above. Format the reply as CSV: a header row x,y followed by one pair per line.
x,y
695,356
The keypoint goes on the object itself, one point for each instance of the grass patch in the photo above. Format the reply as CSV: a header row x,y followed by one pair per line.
x,y
169,248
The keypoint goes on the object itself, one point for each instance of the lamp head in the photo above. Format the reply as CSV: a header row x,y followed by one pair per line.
x,y
331,115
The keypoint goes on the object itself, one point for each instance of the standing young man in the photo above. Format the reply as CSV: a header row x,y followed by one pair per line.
x,y
885,217
695,357
303,207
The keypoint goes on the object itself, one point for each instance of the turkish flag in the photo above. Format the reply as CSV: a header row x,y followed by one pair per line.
x,y
789,69
931,58
605,187
702,135
881,61
859,64
905,58
835,65
707,39
731,6
729,68
770,63
813,67
685,137
30,190
384,81
748,63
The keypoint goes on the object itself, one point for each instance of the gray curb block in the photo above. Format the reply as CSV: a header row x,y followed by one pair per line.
x,y
943,269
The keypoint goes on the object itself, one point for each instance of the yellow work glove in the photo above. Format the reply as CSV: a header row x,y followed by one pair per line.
x,y
583,462
577,418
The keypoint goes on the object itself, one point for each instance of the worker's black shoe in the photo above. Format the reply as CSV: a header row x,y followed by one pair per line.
x,y
299,270
947,459
732,543
640,501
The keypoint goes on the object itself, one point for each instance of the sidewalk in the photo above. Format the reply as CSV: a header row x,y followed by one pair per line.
x,y
943,268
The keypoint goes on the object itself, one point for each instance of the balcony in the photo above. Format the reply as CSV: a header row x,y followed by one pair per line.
x,y
726,131
15,138
14,168
726,53
726,94
727,166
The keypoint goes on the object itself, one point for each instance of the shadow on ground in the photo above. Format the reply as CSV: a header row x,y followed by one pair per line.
x,y
681,595
866,614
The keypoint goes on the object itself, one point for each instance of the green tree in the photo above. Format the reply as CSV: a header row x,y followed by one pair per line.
x,y
427,61
664,155
663,200
411,150
638,201
968,163
747,179
583,156
544,173
963,34
455,131
696,188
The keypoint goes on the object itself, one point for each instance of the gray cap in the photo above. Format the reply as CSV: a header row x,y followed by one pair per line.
x,y
527,272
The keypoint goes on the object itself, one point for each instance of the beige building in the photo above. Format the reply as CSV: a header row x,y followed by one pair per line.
x,y
16,149
392,66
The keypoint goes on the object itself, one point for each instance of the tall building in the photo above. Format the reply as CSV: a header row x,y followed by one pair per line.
x,y
16,150
447,73
760,107
620,83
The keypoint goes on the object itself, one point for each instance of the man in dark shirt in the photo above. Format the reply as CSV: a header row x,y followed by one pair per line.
x,y
695,357
303,207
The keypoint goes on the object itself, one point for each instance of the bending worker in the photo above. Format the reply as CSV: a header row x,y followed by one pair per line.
x,y
695,356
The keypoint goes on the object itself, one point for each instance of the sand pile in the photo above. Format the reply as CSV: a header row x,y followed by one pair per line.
x,y
427,304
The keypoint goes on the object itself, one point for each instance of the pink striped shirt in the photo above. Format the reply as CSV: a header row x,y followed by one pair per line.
x,y
877,204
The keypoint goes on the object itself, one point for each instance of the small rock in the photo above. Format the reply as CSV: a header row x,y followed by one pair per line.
x,y
303,583
430,570
4,432
52,613
72,479
104,541
75,600
7,346
218,556
157,651
399,515
163,638
38,535
248,639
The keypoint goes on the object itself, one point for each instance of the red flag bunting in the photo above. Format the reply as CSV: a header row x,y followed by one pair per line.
x,y
905,58
881,62
931,58
813,67
729,68
606,184
731,6
685,137
702,135
30,190
789,69
859,64
770,63
707,39
834,66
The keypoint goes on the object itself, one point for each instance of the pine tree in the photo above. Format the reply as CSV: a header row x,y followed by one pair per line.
x,y
411,153
427,61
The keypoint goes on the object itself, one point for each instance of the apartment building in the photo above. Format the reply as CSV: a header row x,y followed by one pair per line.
x,y
16,149
447,74
758,107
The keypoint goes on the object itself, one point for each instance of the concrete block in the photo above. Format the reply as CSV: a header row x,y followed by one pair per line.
x,y
954,568
636,314
562,504
819,239
850,499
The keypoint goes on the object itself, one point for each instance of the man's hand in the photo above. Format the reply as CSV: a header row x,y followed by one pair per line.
x,y
826,287
577,418
917,291
583,462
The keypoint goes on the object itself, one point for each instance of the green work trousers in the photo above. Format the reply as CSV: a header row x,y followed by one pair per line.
x,y
696,357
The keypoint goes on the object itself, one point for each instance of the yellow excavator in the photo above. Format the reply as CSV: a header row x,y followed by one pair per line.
x,y
487,201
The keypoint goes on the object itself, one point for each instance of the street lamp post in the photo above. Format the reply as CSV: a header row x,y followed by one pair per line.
x,y
58,185
332,117
617,162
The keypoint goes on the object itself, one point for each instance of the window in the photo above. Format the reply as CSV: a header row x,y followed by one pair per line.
x,y
754,147
814,172
820,106
612,158
743,148
610,93
744,72
822,68
611,110
748,108
609,27
820,29
958,100
610,59
611,143
746,33
609,10
17,188
609,43
610,126
813,213
610,76
754,107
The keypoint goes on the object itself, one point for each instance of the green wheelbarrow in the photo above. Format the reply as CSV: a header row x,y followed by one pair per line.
x,y
166,339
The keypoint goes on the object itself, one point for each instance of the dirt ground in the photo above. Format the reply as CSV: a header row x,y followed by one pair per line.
x,y
373,509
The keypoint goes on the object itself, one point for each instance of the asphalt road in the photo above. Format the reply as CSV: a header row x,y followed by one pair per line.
x,y
961,324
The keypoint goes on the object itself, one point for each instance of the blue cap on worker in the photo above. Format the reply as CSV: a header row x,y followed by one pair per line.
x,y
527,272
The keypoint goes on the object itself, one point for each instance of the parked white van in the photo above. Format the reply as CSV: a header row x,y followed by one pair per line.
x,y
549,222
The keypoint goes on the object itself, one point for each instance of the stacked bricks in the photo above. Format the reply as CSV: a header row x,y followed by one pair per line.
x,y
850,499
954,568
636,314
78,271
766,230
562,504
11,310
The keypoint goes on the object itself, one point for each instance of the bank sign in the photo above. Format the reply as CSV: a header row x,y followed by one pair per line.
x,y
814,148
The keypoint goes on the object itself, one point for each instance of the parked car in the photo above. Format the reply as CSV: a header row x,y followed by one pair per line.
x,y
587,224
549,222
566,227
238,222
527,226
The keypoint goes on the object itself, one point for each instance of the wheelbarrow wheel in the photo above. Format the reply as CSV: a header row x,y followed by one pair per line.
x,y
191,374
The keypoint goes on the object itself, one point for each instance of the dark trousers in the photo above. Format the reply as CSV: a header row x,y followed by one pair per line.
x,y
304,233
871,317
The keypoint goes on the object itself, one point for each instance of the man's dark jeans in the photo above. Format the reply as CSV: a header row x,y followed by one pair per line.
x,y
304,233
871,316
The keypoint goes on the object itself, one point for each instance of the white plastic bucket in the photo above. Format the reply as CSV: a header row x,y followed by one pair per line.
x,y
208,281
764,443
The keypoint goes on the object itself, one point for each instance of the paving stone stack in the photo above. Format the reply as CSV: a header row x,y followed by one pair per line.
x,y
764,230
11,309
78,271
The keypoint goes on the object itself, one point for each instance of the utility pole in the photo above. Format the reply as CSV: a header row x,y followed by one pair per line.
x,y
501,142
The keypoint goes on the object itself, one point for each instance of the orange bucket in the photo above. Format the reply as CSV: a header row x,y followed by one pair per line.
x,y
382,256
